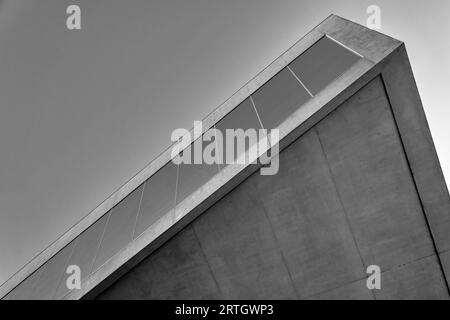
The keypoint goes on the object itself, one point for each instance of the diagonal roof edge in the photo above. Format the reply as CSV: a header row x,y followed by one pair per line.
x,y
373,45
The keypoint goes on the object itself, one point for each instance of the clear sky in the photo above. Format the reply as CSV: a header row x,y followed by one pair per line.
x,y
82,111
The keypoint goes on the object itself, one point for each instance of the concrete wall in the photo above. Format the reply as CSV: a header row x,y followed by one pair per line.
x,y
344,199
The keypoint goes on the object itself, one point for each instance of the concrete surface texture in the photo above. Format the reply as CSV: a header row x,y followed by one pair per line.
x,y
344,199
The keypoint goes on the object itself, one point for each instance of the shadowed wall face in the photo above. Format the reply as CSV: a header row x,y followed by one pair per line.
x,y
344,199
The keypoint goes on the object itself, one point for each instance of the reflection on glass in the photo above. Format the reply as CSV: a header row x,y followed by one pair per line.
x,y
158,197
84,252
322,63
279,98
120,226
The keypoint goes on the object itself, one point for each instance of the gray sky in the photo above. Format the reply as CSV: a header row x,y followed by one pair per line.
x,y
81,112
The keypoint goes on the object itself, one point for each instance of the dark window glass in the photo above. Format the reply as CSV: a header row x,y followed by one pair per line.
x,y
322,63
120,226
84,252
158,198
279,98
193,176
24,290
242,117
52,274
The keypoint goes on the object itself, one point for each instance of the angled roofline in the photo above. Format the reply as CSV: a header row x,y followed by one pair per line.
x,y
373,46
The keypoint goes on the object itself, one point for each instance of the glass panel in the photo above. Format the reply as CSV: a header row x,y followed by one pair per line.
x,y
25,289
242,117
279,98
84,252
193,176
322,63
158,198
52,274
119,230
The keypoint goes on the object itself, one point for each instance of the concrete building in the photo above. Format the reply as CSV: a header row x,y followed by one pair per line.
x,y
359,184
